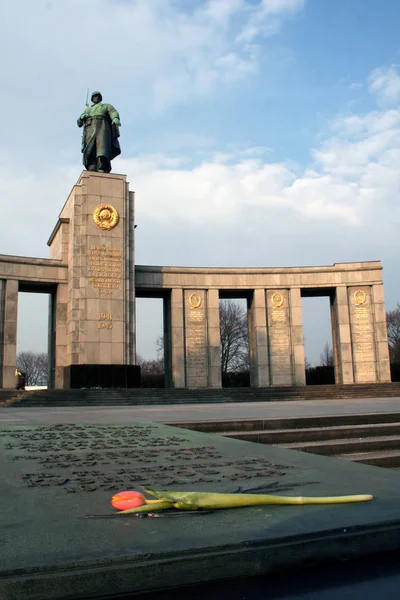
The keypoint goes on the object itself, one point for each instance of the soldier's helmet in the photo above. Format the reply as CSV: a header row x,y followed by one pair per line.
x,y
96,94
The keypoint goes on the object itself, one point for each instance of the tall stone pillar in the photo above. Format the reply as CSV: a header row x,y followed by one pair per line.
x,y
214,339
175,339
296,320
98,218
196,338
362,331
8,341
341,336
61,330
382,348
280,338
2,302
259,370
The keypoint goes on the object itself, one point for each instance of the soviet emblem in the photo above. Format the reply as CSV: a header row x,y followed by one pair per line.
x,y
277,300
195,300
105,216
360,297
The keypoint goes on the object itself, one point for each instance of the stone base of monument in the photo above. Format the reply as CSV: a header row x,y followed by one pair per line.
x,y
101,376
53,476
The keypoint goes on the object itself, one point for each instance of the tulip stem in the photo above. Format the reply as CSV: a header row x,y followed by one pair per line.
x,y
146,508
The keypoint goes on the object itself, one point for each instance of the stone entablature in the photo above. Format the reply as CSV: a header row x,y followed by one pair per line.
x,y
93,282
366,273
34,270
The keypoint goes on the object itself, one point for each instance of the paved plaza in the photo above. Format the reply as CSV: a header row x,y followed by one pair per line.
x,y
189,412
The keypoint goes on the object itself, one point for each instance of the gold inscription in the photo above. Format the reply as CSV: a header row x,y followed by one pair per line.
x,y
105,268
279,335
105,321
105,317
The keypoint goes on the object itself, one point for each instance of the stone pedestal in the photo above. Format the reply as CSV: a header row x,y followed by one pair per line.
x,y
95,310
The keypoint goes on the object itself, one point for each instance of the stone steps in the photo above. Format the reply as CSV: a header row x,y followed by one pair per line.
x,y
316,434
372,438
346,446
389,459
293,423
148,396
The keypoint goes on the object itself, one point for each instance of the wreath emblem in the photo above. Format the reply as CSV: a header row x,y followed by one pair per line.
x,y
106,217
195,300
277,300
360,297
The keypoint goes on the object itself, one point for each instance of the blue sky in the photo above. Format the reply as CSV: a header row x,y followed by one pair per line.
x,y
266,130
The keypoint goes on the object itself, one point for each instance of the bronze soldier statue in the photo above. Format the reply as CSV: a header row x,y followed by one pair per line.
x,y
100,135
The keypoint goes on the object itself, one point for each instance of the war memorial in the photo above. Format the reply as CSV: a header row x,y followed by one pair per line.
x,y
93,281
60,537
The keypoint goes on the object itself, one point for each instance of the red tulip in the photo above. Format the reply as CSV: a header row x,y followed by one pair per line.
x,y
126,500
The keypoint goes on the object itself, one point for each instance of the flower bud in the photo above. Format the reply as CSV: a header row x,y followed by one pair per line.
x,y
128,499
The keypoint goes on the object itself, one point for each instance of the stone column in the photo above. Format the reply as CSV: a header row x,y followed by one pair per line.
x,y
129,278
341,338
2,302
296,320
60,307
259,369
175,342
279,337
9,338
381,337
101,293
214,339
196,338
362,334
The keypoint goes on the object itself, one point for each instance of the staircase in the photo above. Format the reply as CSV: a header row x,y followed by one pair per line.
x,y
147,396
372,438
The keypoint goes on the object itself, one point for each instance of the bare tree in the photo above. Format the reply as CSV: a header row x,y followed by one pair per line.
x,y
234,342
34,366
234,337
393,330
326,356
150,367
160,347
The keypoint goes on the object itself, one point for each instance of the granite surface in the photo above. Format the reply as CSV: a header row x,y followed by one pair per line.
x,y
53,476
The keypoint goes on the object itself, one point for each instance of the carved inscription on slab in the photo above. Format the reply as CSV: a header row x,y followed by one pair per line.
x,y
362,334
111,458
279,336
105,268
196,339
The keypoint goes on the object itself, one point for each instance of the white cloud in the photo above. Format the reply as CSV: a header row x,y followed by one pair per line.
x,y
355,86
353,182
355,175
384,82
153,50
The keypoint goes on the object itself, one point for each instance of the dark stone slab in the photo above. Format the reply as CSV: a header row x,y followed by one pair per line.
x,y
51,477
102,376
